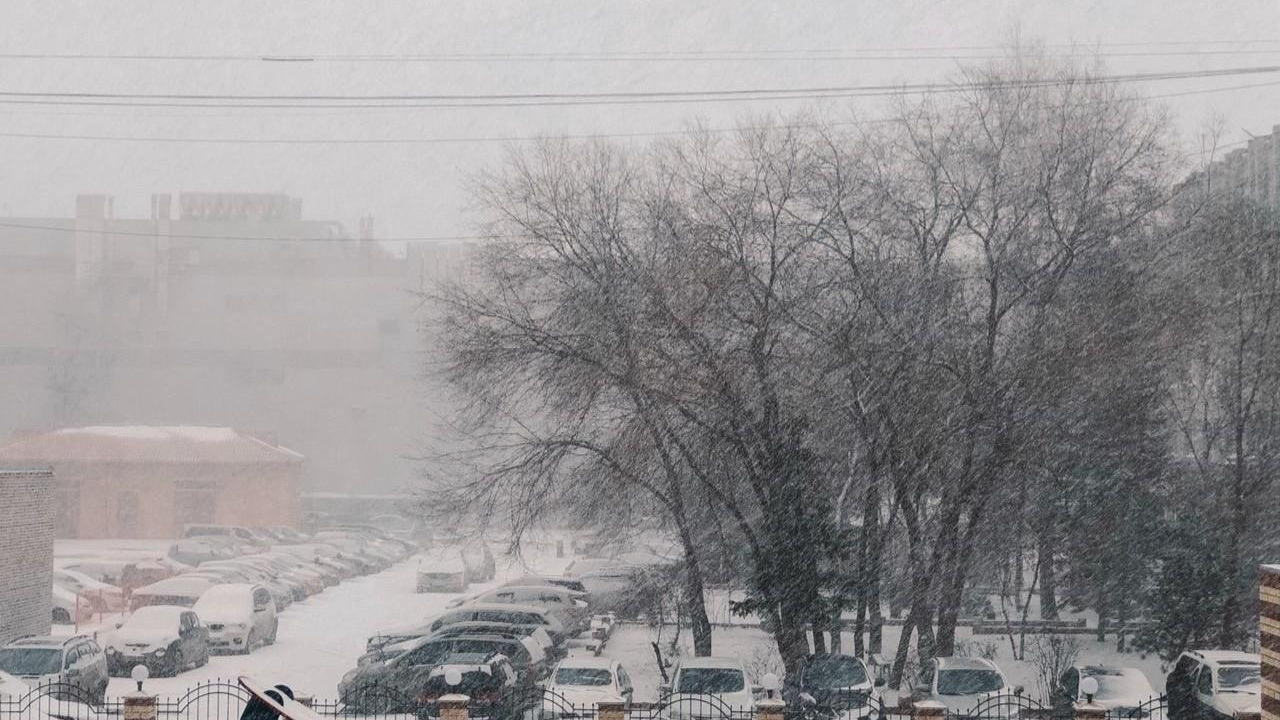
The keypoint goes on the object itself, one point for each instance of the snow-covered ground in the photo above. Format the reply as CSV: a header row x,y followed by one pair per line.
x,y
321,637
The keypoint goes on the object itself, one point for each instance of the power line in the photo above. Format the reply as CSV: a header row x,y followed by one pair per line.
x,y
587,98
516,138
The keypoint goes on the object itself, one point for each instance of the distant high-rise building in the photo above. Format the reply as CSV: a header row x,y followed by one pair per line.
x,y
237,313
1252,171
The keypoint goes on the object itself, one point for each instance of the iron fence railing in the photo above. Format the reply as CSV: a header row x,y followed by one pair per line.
x,y
226,700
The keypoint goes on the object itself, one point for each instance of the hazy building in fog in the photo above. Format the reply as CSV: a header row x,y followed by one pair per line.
x,y
26,563
224,309
149,482
1252,171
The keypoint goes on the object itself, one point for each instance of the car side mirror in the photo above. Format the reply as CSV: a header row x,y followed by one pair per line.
x,y
1018,690
119,624
880,682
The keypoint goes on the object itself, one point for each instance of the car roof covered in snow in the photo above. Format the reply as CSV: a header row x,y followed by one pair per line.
x,y
712,662
1227,657
589,661
965,663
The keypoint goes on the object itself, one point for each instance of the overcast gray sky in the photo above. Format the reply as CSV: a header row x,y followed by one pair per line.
x,y
416,189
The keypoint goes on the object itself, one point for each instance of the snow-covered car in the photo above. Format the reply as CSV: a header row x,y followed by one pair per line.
x,y
406,669
707,687
441,572
165,638
417,679
566,605
103,596
568,583
1124,691
837,685
502,613
183,591
68,607
578,684
239,616
75,660
1214,685
200,550
960,683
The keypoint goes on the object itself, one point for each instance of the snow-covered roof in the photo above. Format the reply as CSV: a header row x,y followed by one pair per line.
x,y
146,443
711,662
1229,657
589,662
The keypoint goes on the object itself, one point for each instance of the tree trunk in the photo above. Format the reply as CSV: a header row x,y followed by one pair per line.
x,y
1048,574
900,657
1228,634
870,581
1101,604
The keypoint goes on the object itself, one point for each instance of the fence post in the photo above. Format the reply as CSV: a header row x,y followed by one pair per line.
x,y
1089,711
453,707
770,709
929,710
305,700
139,706
611,708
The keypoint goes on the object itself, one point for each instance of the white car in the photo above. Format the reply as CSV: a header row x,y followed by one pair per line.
x,y
239,616
960,683
103,596
1214,684
70,608
707,687
578,683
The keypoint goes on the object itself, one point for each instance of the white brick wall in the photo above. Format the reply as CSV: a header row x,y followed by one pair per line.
x,y
26,552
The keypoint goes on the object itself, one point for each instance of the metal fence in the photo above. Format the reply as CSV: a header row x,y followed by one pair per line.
x,y
226,700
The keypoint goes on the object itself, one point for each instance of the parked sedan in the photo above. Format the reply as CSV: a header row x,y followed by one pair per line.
x,y
579,683
837,685
165,638
239,616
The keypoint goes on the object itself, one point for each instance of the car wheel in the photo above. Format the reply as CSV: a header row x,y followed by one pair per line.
x,y
177,663
61,616
204,658
248,644
271,639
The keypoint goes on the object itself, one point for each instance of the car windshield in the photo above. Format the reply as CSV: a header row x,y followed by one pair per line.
x,y
968,682
711,680
583,676
841,672
1235,676
30,661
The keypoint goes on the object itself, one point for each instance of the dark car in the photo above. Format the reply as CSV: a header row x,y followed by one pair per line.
x,y
837,685
164,638
487,678
407,670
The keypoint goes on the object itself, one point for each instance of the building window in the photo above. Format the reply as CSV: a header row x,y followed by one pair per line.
x,y
194,502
